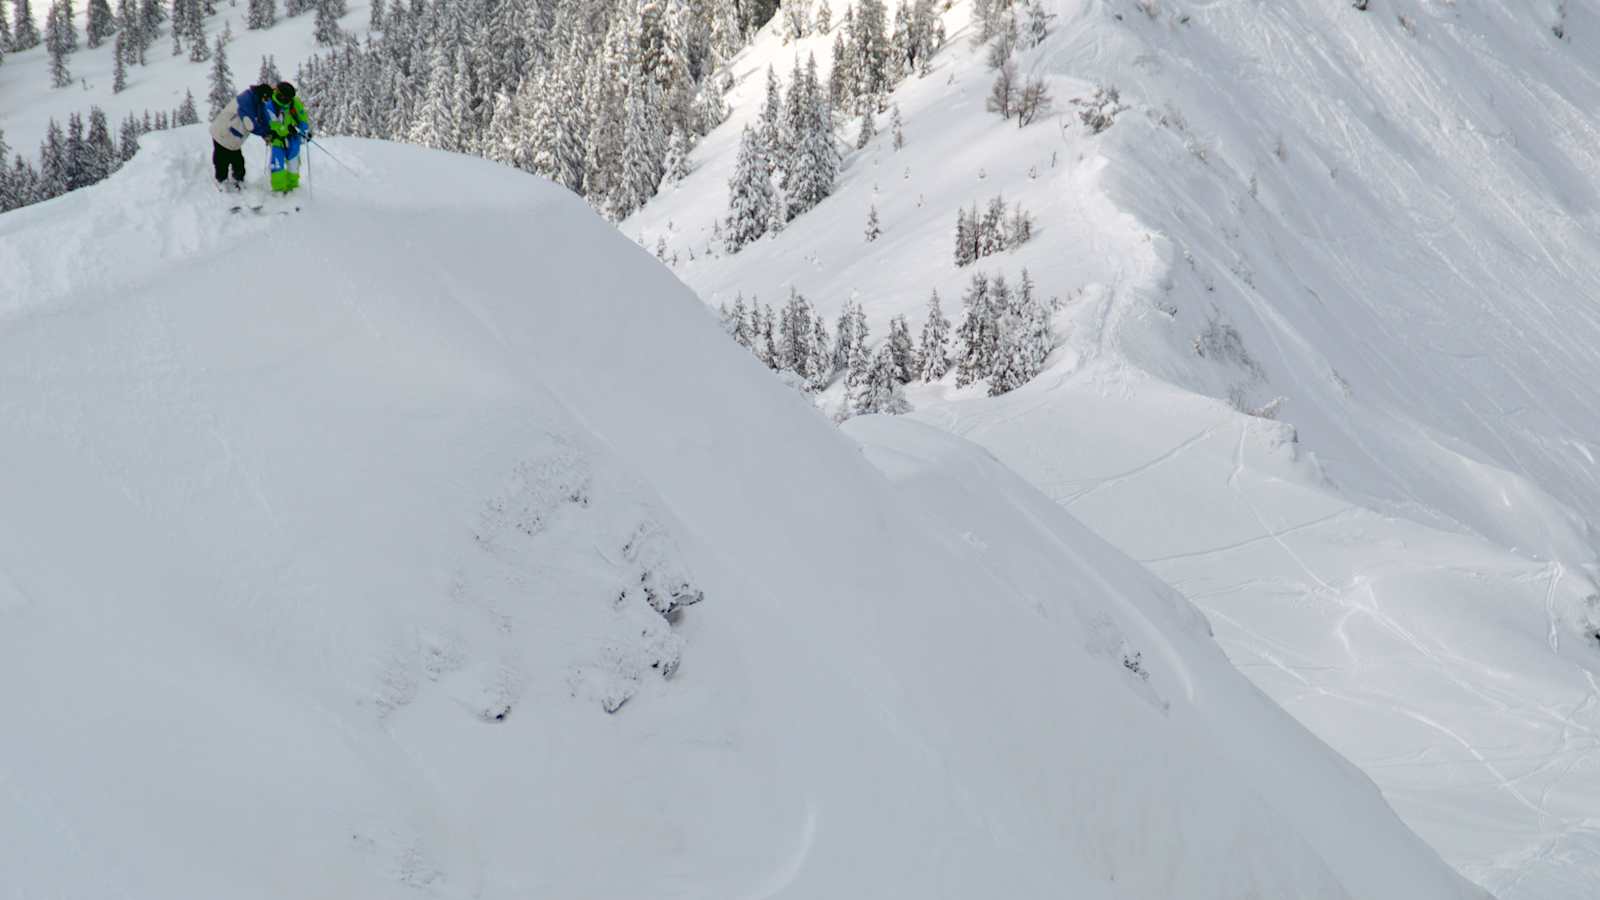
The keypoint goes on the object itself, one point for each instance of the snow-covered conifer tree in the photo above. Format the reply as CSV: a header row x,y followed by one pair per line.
x,y
824,17
221,93
1038,25
750,193
860,355
739,322
814,159
128,138
873,230
101,24
903,349
24,33
75,155
933,354
871,52
195,33
878,389
821,354
795,344
326,28
55,43
976,334
261,14
844,330
1024,340
100,154
187,115
268,74
119,63
869,127
770,128
53,173
897,127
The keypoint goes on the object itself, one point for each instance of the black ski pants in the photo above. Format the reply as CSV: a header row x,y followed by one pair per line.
x,y
223,159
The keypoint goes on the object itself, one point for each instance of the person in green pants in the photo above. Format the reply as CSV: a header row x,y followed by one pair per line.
x,y
288,128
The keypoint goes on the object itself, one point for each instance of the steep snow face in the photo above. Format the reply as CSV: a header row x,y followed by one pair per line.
x,y
327,541
1327,302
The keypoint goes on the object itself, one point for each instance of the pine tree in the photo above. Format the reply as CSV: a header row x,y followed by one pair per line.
x,y
977,334
966,237
100,154
897,128
738,323
844,343
871,52
750,193
8,196
74,153
119,65
151,16
813,163
933,355
766,339
643,151
795,344
24,34
327,24
878,389
101,24
54,176
992,230
5,47
221,80
55,40
770,128
261,14
821,354
195,33
375,16
1024,340
824,18
269,71
435,124
860,359
69,25
186,112
128,139
903,349
25,183
873,231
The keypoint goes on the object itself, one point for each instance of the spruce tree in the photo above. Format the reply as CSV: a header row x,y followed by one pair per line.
x,y
933,355
844,342
821,354
55,39
750,193
53,172
221,80
119,64
795,345
128,139
150,18
8,197
813,163
1025,339
873,231
869,127
187,115
327,23
871,52
5,47
824,17
268,73
771,122
101,24
375,16
69,25
24,33
977,333
903,348
878,389
100,154
261,14
75,153
897,128
195,33
860,357
739,322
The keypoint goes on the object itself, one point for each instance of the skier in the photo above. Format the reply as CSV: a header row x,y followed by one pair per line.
x,y
245,116
289,129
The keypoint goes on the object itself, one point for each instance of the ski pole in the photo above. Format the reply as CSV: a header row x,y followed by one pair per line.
x,y
334,158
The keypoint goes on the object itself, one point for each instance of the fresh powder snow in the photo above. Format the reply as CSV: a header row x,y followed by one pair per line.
x,y
434,541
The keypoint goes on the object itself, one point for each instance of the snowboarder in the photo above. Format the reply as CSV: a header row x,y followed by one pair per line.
x,y
289,129
245,116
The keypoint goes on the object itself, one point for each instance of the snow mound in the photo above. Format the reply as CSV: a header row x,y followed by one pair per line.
x,y
433,541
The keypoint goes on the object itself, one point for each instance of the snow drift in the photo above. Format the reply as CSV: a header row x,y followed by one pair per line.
x,y
327,541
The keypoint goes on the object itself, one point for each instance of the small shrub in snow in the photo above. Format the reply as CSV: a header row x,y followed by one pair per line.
x,y
1034,101
1100,111
1004,91
1135,663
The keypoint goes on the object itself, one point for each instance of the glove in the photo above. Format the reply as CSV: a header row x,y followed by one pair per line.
x,y
305,133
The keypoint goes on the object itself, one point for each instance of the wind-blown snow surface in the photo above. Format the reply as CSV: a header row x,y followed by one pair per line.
x,y
325,539
1376,231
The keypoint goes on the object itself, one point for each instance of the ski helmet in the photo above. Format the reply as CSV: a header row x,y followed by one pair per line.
x,y
285,91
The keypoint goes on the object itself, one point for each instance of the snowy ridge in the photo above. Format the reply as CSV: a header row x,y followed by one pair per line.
x,y
1329,341
326,593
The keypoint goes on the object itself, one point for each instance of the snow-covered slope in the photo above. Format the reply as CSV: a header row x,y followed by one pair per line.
x,y
1374,230
327,540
